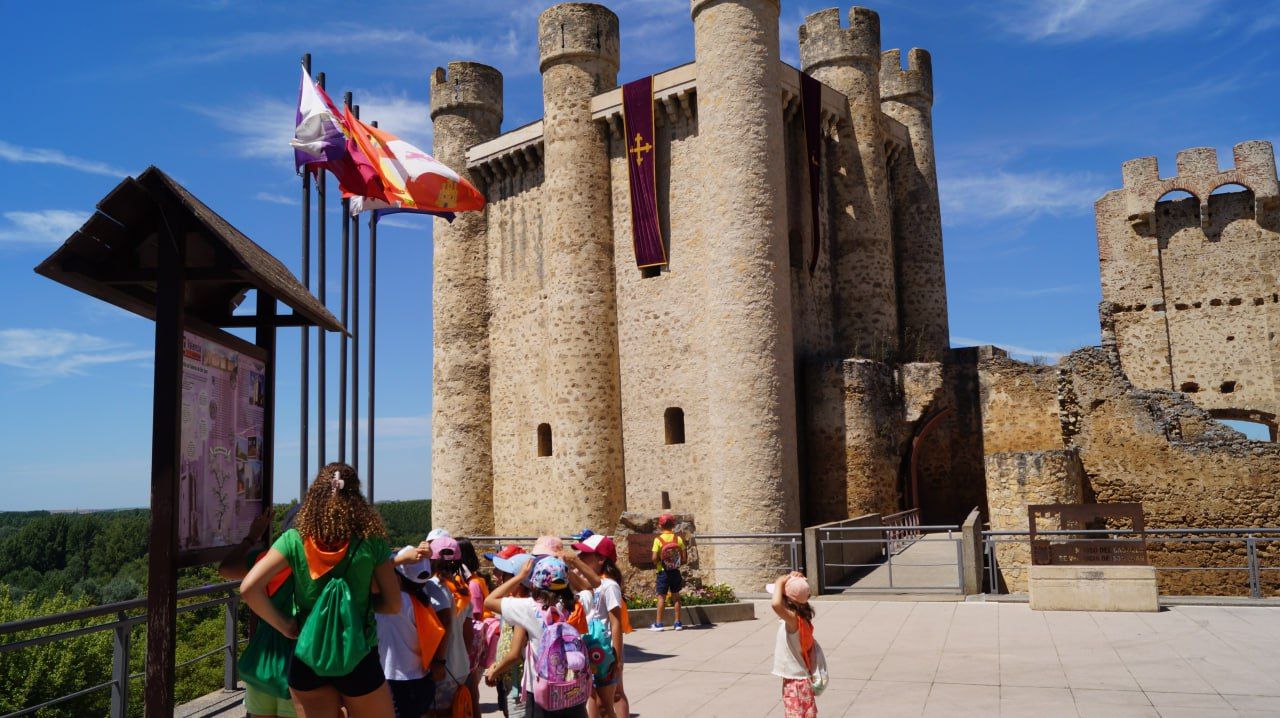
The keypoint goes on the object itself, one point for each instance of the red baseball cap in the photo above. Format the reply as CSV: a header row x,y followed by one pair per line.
x,y
596,543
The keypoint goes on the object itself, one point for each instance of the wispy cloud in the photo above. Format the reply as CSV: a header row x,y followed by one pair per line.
x,y
42,156
1077,20
262,128
1013,349
405,222
1030,293
275,198
51,353
41,227
1002,194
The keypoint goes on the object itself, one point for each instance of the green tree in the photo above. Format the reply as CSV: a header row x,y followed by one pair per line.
x,y
36,674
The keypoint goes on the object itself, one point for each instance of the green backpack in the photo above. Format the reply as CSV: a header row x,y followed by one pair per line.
x,y
333,641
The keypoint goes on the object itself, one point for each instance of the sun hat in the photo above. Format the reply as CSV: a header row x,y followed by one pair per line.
x,y
549,574
795,588
507,552
512,564
547,546
438,533
596,543
444,547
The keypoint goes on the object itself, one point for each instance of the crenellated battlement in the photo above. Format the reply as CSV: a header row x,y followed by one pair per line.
x,y
1199,174
914,82
466,85
582,32
824,41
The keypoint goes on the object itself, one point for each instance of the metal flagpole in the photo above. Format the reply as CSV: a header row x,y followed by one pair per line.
x,y
304,411
342,340
355,334
373,342
322,339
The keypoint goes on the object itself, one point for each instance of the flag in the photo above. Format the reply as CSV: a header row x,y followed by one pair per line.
x,y
380,208
322,140
411,178
642,172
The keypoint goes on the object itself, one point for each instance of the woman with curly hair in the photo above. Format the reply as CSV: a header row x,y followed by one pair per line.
x,y
335,520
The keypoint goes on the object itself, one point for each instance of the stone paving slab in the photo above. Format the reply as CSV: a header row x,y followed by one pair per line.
x,y
892,659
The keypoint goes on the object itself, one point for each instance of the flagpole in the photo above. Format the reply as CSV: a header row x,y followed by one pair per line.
x,y
373,342
304,408
322,339
355,333
342,340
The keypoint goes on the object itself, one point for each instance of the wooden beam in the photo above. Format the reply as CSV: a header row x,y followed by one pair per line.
x,y
255,321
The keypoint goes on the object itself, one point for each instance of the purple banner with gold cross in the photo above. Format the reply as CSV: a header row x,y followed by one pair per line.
x,y
642,172
811,106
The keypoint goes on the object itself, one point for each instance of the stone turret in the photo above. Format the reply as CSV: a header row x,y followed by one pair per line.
x,y
466,109
578,47
748,335
848,60
907,96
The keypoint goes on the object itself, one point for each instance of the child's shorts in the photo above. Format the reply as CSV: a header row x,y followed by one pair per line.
x,y
412,698
669,581
261,703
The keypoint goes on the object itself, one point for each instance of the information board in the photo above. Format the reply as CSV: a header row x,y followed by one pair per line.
x,y
224,395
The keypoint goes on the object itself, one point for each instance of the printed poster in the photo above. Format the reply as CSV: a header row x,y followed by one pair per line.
x,y
220,488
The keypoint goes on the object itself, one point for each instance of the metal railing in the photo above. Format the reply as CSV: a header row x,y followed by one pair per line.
x,y
121,619
790,544
1253,541
905,529
885,548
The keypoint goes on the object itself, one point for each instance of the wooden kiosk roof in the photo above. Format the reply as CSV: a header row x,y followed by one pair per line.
x,y
113,257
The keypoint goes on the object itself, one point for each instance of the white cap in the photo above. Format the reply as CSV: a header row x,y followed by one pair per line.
x,y
418,571
438,533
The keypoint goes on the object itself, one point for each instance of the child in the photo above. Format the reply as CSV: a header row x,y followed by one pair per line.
x,y
266,686
506,672
336,531
477,648
669,554
410,641
446,562
793,649
606,607
551,601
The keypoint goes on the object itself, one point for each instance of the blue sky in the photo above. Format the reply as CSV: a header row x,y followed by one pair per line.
x,y
1038,103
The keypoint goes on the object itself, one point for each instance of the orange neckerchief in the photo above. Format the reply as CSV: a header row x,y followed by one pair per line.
x,y
461,596
430,630
806,641
319,561
278,580
626,619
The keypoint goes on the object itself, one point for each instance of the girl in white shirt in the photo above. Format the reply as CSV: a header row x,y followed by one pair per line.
x,y
605,604
793,649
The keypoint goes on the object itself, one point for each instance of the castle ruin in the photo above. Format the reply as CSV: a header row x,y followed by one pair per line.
x,y
763,395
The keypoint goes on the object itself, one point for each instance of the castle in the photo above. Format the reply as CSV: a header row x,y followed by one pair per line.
x,y
775,374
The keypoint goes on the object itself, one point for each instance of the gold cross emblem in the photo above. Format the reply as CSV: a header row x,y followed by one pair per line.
x,y
639,149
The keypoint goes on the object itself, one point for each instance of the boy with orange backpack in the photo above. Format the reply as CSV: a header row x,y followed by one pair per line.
x,y
669,554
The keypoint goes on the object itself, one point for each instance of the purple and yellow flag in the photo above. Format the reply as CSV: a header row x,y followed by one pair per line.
x,y
642,172
811,105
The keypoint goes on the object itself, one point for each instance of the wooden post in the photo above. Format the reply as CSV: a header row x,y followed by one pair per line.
x,y
166,434
265,337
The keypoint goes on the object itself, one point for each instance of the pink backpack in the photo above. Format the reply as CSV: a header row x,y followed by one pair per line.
x,y
483,650
562,674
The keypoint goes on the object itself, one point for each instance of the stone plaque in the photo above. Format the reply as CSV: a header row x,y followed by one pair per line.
x,y
1126,547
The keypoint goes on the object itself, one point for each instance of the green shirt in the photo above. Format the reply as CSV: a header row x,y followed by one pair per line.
x,y
369,554
282,598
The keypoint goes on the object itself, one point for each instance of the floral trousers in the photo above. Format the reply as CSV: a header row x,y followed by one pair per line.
x,y
798,699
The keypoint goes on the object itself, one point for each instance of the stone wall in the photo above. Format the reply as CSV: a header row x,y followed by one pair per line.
x,y
1019,406
1016,479
1190,284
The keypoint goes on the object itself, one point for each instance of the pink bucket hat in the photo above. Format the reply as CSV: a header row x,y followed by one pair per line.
x,y
547,546
796,588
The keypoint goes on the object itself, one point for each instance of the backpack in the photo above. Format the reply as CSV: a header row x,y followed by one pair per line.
x,y
561,675
600,653
669,553
483,650
333,641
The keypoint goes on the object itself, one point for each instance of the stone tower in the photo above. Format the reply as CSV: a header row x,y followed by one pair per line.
x,y
466,109
578,47
848,60
907,96
750,380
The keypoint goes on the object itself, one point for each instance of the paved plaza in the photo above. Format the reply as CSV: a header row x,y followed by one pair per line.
x,y
981,659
